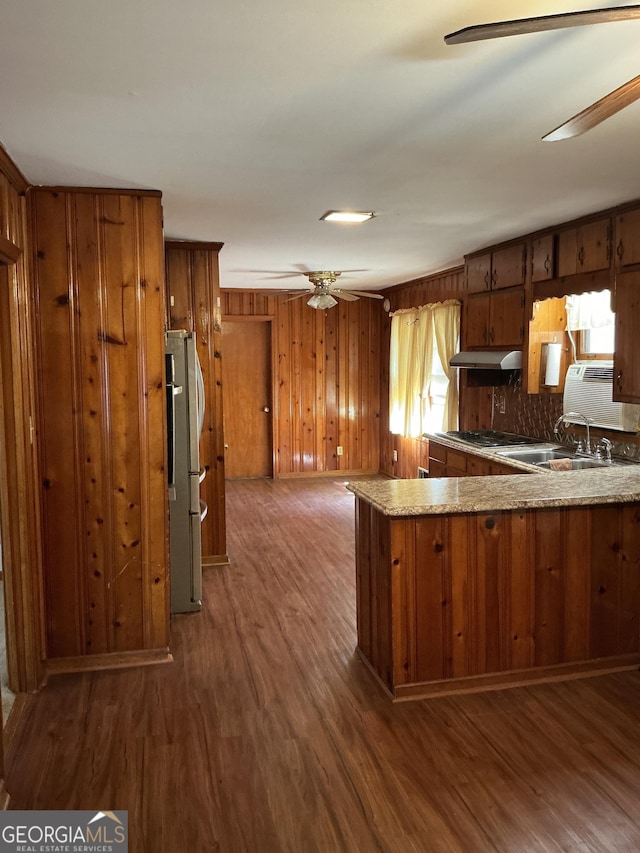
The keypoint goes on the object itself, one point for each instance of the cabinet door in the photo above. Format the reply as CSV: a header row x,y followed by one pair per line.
x,y
508,266
594,251
628,239
543,258
507,318
436,468
479,273
585,249
626,364
476,326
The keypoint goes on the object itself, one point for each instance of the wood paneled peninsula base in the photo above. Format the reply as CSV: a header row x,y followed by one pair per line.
x,y
482,583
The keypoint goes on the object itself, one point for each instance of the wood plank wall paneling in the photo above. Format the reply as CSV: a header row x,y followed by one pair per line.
x,y
326,381
193,303
496,592
411,453
100,313
19,495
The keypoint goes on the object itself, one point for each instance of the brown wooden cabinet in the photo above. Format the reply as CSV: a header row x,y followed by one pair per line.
x,y
496,270
628,239
585,248
543,258
626,363
494,319
447,462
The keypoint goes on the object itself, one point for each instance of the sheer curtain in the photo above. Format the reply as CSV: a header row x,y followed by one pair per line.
x,y
415,332
589,310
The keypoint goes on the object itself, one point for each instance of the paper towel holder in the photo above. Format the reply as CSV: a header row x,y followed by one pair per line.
x,y
551,358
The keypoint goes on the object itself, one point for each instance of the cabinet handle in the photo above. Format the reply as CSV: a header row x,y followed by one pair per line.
x,y
494,278
487,282
547,264
619,381
620,250
581,255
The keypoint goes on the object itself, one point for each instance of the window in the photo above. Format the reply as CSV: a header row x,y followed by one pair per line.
x,y
596,343
423,389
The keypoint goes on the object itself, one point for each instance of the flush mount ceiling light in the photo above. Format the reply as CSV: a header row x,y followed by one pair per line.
x,y
352,216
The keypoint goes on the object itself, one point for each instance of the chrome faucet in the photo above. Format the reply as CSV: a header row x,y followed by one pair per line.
x,y
586,420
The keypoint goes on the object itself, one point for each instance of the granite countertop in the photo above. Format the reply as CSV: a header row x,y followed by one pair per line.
x,y
446,495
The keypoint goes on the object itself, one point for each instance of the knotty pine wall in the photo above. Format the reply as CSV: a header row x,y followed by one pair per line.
x,y
423,291
19,498
100,313
193,303
326,369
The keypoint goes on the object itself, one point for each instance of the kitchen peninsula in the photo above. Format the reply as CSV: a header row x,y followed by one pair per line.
x,y
476,583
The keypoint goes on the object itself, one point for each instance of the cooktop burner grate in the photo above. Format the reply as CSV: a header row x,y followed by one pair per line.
x,y
492,438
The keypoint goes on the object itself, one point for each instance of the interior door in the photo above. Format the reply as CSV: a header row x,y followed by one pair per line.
x,y
246,393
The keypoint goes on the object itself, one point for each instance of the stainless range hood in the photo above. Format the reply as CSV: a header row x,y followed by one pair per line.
x,y
485,360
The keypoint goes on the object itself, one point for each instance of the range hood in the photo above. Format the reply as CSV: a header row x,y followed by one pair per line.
x,y
485,360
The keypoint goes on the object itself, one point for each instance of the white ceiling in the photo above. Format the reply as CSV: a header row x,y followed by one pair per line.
x,y
253,118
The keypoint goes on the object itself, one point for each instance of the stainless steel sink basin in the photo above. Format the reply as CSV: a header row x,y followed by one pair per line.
x,y
577,464
535,457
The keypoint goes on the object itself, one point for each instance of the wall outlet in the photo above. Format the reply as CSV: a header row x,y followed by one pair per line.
x,y
339,450
500,402
395,455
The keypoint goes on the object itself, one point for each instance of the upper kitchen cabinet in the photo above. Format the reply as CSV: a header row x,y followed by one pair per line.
x,y
98,267
498,269
585,248
626,364
543,258
494,319
628,239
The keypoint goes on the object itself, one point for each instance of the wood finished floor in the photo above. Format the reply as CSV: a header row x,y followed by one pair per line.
x,y
268,734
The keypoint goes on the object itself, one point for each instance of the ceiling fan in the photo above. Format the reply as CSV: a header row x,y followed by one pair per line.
x,y
596,112
323,292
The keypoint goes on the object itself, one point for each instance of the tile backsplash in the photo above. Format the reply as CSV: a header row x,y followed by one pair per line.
x,y
536,414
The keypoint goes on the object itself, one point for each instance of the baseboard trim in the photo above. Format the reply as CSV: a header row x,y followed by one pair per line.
x,y
313,474
216,560
517,678
113,660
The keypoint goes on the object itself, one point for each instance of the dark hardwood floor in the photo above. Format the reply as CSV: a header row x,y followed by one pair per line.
x,y
268,733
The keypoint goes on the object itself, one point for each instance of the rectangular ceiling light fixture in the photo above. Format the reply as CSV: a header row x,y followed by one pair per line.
x,y
347,216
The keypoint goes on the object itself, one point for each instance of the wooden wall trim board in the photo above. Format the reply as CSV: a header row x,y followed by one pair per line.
x,y
192,283
99,305
113,660
9,252
104,191
19,497
14,176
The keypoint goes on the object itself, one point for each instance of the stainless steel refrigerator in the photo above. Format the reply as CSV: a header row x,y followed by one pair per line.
x,y
185,415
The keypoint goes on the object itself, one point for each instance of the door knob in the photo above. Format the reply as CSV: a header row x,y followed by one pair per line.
x,y
266,409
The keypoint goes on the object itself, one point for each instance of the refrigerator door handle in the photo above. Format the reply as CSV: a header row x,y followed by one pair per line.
x,y
202,474
204,509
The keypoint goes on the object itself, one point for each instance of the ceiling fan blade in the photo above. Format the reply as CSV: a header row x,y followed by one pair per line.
x,y
299,295
598,112
369,295
347,295
542,23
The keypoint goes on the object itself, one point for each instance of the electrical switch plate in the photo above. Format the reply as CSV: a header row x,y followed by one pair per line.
x,y
395,455
339,450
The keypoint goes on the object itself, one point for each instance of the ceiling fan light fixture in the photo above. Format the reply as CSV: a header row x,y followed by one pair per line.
x,y
320,301
348,216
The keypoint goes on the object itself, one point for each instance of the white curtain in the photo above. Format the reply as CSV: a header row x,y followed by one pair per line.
x,y
414,332
589,311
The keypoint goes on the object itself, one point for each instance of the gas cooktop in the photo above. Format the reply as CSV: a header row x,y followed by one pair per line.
x,y
491,438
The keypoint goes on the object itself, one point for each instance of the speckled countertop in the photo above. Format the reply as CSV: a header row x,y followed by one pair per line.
x,y
446,495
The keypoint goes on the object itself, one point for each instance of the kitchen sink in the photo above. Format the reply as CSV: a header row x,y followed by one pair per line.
x,y
577,464
535,457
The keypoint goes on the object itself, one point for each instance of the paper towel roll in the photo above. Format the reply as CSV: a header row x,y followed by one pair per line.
x,y
552,370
